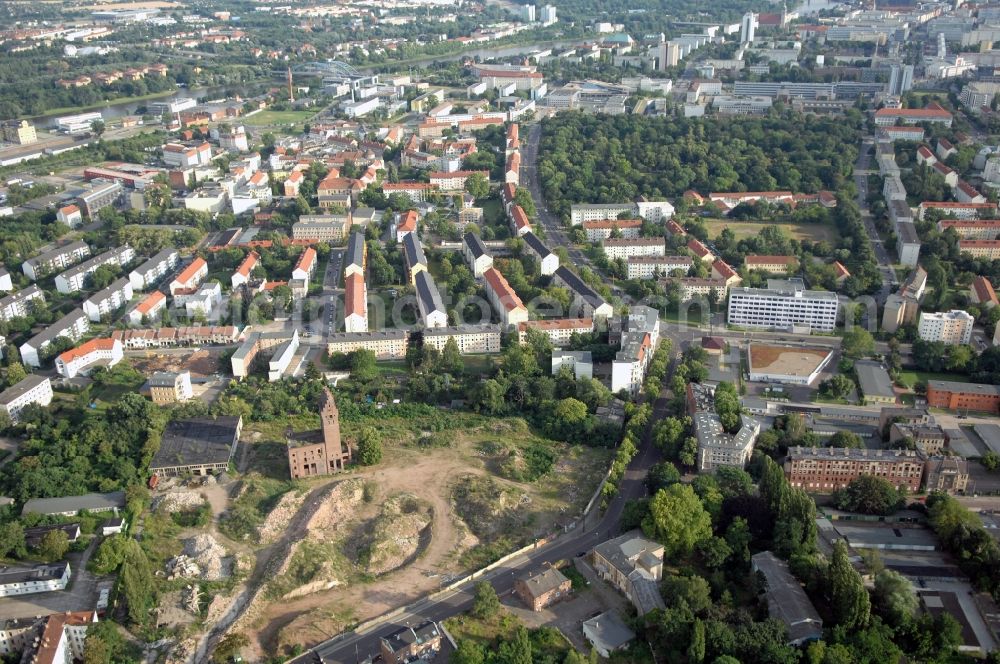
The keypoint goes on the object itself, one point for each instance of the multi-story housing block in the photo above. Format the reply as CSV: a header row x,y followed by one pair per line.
x,y
783,305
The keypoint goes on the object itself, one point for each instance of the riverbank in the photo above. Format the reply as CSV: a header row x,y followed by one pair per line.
x,y
121,101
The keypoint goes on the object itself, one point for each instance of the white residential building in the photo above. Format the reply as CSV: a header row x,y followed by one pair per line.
x,y
580,362
432,310
202,302
952,328
305,266
37,579
190,277
106,301
599,211
282,358
18,305
651,267
6,283
504,299
32,389
476,254
73,326
784,304
625,249
75,278
640,336
156,268
355,303
548,262
83,358
61,257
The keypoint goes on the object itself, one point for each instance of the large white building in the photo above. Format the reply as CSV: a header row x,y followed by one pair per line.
x,y
37,579
548,262
952,328
56,259
504,299
476,254
355,303
717,448
470,339
106,301
785,305
32,389
99,352
598,211
432,310
282,358
651,267
615,248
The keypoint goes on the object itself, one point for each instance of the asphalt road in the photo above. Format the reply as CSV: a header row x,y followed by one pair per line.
x,y
861,168
353,647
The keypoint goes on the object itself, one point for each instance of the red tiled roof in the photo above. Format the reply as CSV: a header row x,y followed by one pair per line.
x,y
408,222
188,273
87,348
354,295
248,264
504,292
306,260
150,302
984,289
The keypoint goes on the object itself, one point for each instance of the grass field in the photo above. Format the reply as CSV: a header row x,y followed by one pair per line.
x,y
742,229
268,118
910,378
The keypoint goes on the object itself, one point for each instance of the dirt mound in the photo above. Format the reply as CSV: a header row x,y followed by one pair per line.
x,y
204,558
395,536
277,519
178,501
338,508
487,507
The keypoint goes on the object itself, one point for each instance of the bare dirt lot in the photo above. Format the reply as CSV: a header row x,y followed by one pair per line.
x,y
203,362
429,476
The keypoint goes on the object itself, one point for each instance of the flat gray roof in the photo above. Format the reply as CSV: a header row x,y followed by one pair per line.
x,y
874,379
197,442
94,502
22,387
983,389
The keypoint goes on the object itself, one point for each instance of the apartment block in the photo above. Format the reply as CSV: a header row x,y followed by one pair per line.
x,y
148,308
18,305
75,278
625,249
548,261
603,229
330,228
386,344
583,212
654,267
952,328
988,249
57,259
108,300
978,397
73,326
413,257
826,469
33,389
771,264
784,304
587,303
356,254
305,266
476,253
86,357
504,299
156,268
559,330
355,303
166,387
190,277
470,339
639,337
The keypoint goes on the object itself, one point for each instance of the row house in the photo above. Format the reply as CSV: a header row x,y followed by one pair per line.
x,y
171,337
417,191
615,248
470,339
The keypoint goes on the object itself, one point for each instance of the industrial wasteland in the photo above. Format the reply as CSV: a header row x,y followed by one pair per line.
x,y
494,332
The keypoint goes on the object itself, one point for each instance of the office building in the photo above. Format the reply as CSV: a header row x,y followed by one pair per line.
x,y
330,228
951,328
783,305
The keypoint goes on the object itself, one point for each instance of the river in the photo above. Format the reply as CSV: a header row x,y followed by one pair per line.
x,y
118,109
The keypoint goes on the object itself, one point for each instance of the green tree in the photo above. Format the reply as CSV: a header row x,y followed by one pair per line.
x,y
369,446
363,366
517,650
11,539
990,460
895,598
468,652
97,128
486,604
733,481
229,647
16,373
678,520
662,475
451,357
54,545
696,647
105,644
857,343
837,386
478,185
848,596
869,494
847,439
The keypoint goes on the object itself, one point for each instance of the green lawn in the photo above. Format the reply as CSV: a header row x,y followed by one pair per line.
x,y
909,378
267,118
492,211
